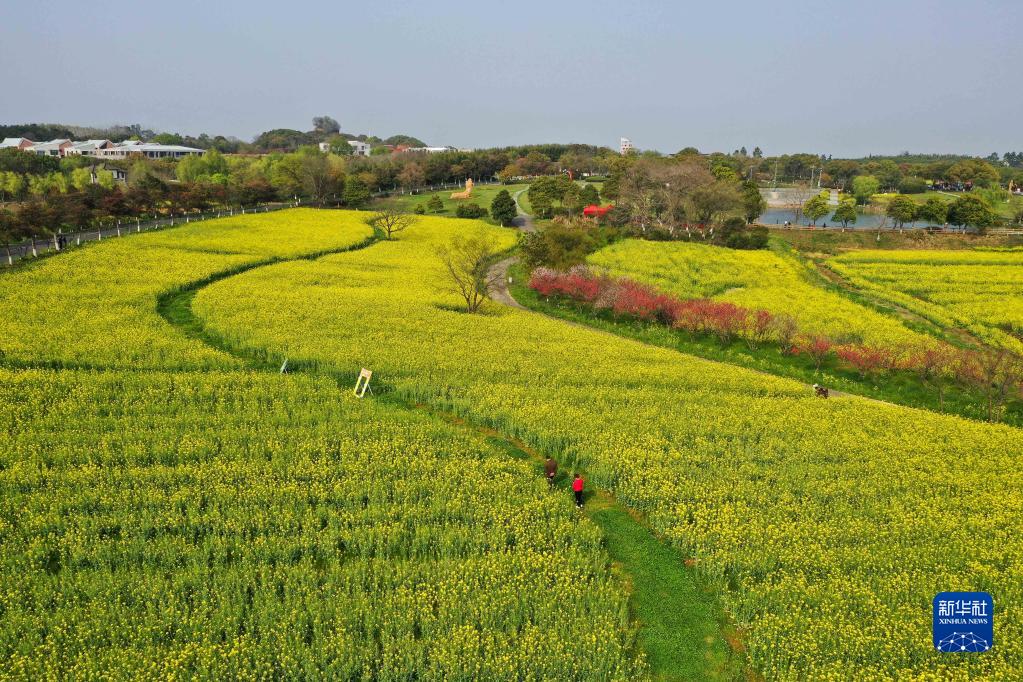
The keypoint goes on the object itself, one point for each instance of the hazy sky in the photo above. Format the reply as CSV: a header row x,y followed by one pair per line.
x,y
845,78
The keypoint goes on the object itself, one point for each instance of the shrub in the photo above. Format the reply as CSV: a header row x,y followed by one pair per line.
x,y
560,246
817,348
736,234
759,326
866,360
912,185
473,211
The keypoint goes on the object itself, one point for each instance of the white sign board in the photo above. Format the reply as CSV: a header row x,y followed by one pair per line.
x,y
362,383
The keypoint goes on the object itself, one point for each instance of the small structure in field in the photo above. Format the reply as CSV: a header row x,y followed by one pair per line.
x,y
465,194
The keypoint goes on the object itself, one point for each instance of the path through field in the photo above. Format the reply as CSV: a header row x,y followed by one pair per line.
x,y
683,630
523,220
502,294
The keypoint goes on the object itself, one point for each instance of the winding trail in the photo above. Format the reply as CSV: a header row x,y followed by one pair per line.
x,y
682,628
523,220
502,294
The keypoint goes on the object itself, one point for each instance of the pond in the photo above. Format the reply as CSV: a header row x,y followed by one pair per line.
x,y
865,221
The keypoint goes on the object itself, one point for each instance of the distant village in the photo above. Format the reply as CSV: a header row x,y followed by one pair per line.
x,y
105,149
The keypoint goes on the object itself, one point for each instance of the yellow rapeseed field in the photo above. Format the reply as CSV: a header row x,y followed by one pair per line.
x,y
981,291
96,306
763,280
828,525
167,514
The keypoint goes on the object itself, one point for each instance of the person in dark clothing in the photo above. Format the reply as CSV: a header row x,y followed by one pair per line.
x,y
550,470
577,488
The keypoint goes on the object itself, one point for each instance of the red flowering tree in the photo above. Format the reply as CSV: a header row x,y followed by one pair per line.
x,y
544,281
868,361
817,348
757,328
726,320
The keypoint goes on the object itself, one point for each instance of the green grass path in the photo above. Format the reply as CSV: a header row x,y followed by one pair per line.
x,y
682,628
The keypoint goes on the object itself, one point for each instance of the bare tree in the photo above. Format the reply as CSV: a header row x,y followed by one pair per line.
x,y
467,261
998,373
392,220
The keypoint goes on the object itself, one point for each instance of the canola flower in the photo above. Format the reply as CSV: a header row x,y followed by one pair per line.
x,y
757,280
828,525
981,291
167,514
96,306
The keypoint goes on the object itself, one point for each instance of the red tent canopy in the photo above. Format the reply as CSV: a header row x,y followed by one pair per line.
x,y
594,211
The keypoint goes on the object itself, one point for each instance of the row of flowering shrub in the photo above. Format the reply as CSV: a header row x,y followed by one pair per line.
x,y
627,298
996,374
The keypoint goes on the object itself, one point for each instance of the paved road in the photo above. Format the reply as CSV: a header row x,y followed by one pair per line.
x,y
499,270
499,274
523,220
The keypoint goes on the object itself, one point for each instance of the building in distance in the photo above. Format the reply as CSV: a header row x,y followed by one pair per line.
x,y
101,148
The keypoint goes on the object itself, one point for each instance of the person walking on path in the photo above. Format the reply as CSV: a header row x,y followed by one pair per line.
x,y
577,488
550,470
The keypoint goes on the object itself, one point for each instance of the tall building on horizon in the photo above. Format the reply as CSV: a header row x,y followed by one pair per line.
x,y
625,146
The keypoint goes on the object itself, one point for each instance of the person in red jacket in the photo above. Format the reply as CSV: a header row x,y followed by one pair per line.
x,y
577,488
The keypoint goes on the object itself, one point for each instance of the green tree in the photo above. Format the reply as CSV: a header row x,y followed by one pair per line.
x,y
435,204
81,178
168,138
816,207
715,199
846,212
543,192
912,185
723,171
105,179
339,145
901,209
973,170
753,202
934,211
589,196
970,210
12,185
502,208
864,187
888,174
571,199
356,193
285,175
321,176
